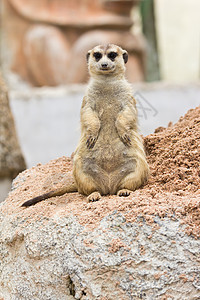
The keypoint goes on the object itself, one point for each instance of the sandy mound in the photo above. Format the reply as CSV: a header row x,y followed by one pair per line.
x,y
174,155
172,191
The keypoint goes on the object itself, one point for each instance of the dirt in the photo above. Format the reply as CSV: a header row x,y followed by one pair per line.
x,y
174,155
173,189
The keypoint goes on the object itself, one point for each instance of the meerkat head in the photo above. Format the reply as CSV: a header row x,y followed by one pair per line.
x,y
107,60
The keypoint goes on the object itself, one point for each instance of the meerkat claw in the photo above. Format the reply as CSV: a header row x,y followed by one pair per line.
x,y
91,142
126,139
95,196
123,193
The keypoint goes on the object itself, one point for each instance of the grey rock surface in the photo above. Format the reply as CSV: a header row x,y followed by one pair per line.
x,y
11,158
50,255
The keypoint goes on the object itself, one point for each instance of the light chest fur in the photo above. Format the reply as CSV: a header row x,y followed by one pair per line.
x,y
108,99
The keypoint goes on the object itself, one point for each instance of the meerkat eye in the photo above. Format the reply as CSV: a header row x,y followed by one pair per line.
x,y
112,55
97,56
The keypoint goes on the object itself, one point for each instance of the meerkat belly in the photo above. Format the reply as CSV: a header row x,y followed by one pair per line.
x,y
109,148
108,165
109,160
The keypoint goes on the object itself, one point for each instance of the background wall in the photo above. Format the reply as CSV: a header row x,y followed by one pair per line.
x,y
178,37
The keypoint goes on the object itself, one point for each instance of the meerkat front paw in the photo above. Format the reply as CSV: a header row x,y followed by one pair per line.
x,y
126,139
91,140
95,196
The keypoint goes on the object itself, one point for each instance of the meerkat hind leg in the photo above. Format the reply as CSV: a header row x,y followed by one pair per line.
x,y
133,181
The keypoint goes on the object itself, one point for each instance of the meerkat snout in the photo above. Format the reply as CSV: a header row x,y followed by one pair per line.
x,y
104,65
107,60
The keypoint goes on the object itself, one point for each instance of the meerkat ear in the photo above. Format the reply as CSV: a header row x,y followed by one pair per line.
x,y
88,55
125,56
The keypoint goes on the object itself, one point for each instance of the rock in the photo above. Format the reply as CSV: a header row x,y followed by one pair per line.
x,y
70,13
116,248
42,37
42,43
144,246
11,158
5,186
46,46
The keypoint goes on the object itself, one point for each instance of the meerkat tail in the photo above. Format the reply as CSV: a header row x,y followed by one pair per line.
x,y
58,192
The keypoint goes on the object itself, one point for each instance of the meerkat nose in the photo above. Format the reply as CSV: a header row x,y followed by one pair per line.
x,y
104,65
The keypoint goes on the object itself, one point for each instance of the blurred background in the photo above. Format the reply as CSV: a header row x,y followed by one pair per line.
x,y
43,45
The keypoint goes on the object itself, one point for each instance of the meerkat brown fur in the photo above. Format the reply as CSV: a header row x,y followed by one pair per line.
x,y
110,157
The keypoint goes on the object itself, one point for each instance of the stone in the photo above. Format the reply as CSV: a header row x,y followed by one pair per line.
x,y
67,248
144,246
43,39
11,158
5,186
46,46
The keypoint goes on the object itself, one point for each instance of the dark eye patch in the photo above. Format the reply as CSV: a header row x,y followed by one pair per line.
x,y
112,55
97,56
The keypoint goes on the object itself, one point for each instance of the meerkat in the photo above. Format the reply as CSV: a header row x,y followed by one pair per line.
x,y
110,157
